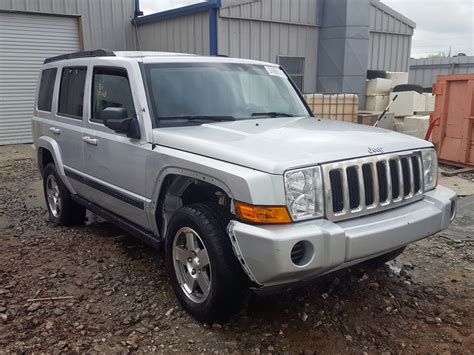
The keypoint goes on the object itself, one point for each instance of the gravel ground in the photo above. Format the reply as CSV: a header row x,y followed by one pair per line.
x,y
110,294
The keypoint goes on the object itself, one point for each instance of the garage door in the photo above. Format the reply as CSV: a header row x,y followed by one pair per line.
x,y
25,41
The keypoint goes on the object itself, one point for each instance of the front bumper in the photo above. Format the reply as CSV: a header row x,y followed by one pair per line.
x,y
265,251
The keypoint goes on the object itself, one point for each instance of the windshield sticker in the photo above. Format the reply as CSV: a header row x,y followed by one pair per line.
x,y
275,71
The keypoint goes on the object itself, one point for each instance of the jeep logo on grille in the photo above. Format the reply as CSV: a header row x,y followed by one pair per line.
x,y
375,150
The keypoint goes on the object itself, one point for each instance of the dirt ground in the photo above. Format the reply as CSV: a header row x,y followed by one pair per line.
x,y
113,295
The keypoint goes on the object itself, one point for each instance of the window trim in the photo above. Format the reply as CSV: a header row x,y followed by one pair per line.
x,y
67,115
52,94
300,94
112,68
301,75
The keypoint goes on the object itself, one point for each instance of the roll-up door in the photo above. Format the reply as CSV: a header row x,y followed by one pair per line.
x,y
25,41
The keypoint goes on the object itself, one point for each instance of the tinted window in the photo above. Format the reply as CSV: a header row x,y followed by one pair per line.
x,y
294,66
45,96
71,91
110,88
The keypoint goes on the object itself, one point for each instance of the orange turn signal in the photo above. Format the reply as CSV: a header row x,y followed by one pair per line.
x,y
262,214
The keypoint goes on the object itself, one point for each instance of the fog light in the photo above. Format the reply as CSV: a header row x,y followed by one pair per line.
x,y
302,253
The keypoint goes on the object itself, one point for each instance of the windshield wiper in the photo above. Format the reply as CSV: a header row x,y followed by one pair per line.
x,y
200,118
272,114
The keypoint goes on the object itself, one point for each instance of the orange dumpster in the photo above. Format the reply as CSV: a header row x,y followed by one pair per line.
x,y
453,119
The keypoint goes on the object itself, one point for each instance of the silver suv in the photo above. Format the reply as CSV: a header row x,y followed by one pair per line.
x,y
222,162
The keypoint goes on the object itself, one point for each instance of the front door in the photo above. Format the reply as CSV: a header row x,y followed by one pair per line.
x,y
114,165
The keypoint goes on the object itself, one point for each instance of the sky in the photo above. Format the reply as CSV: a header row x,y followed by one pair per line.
x,y
151,6
439,23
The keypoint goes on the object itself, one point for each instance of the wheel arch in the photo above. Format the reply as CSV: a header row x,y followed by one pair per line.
x,y
179,187
47,150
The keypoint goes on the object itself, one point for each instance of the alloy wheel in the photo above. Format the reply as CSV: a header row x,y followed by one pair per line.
x,y
53,196
191,264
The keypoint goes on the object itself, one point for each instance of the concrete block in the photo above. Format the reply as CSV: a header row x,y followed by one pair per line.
x,y
416,126
367,117
370,117
429,102
407,103
379,86
376,102
421,113
398,124
387,121
398,78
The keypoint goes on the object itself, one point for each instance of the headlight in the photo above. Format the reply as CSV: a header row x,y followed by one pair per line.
x,y
430,168
304,193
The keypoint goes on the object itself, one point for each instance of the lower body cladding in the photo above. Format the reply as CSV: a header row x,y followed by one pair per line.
x,y
277,255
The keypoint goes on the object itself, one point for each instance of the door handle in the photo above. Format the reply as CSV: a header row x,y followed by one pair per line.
x,y
90,140
55,130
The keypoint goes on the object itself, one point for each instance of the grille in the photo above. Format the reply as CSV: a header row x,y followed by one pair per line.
x,y
368,185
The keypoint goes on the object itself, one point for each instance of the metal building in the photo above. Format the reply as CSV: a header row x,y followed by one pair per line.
x,y
326,45
33,30
389,38
424,71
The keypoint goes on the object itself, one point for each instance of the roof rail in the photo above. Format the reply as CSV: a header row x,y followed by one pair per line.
x,y
84,54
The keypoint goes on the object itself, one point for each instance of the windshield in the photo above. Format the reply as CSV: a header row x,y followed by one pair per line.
x,y
196,93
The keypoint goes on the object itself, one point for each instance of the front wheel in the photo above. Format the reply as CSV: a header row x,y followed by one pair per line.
x,y
205,274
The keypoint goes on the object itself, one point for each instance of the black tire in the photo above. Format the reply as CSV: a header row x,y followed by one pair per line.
x,y
382,259
70,212
408,87
229,285
374,74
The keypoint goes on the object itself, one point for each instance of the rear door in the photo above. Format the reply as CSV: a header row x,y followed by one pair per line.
x,y
113,162
68,124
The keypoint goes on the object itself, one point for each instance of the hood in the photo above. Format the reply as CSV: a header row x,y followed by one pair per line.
x,y
274,145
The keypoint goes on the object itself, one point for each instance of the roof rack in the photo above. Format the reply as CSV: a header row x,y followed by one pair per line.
x,y
84,54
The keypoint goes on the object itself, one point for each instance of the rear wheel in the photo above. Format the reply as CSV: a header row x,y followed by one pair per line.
x,y
62,209
204,272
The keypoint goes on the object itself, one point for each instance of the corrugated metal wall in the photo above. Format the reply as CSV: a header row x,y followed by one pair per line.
x,y
424,71
389,39
266,29
25,40
303,12
35,36
105,23
183,34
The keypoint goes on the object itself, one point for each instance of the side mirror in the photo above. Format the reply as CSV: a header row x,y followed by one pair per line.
x,y
116,118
